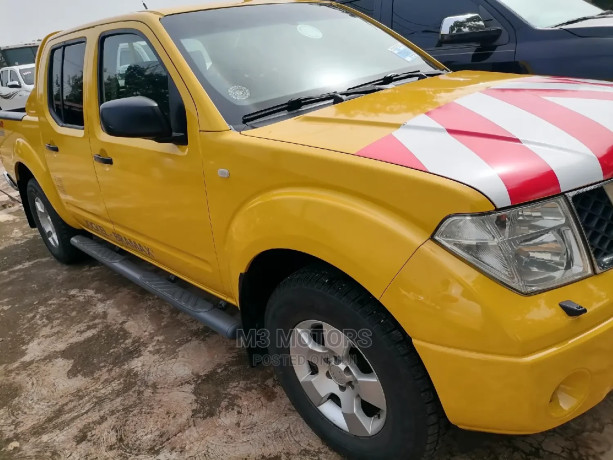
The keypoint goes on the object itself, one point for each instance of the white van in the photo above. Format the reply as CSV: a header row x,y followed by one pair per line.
x,y
16,84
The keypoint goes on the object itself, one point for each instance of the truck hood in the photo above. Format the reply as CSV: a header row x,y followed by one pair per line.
x,y
514,139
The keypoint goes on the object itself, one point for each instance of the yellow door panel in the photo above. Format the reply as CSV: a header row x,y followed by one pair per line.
x,y
65,134
154,192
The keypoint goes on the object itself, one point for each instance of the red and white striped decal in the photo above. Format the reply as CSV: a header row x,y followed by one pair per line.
x,y
519,141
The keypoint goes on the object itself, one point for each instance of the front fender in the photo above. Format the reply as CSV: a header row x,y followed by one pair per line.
x,y
364,240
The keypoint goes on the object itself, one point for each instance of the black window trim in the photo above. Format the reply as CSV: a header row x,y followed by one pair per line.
x,y
100,68
63,45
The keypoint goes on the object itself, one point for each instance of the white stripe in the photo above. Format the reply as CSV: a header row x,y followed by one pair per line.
x,y
573,162
598,110
442,154
553,86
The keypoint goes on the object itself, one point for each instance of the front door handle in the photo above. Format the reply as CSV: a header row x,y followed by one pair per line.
x,y
53,148
103,160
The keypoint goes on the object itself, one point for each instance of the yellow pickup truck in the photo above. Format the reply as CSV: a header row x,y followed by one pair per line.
x,y
406,245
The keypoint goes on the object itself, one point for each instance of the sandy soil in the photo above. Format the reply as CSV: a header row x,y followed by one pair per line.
x,y
92,366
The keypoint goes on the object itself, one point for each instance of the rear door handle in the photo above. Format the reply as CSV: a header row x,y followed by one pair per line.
x,y
103,160
53,148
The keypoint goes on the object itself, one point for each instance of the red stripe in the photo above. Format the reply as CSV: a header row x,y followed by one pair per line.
x,y
592,134
391,150
526,175
569,93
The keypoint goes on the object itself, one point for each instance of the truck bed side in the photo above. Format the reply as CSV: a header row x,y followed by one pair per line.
x,y
22,155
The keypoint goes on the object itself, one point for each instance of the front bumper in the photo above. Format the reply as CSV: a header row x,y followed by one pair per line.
x,y
502,362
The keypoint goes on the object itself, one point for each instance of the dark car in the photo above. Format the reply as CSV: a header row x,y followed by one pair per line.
x,y
548,37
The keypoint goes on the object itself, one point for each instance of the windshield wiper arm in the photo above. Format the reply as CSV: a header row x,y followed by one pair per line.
x,y
585,18
298,103
392,77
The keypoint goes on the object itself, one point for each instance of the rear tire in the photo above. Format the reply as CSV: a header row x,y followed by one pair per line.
x,y
55,233
329,391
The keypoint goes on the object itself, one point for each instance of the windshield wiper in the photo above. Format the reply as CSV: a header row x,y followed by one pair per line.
x,y
585,18
298,103
393,77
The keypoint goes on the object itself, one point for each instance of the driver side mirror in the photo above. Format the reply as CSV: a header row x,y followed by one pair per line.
x,y
14,85
135,116
467,28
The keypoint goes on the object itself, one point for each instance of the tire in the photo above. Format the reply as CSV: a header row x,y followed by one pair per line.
x,y
55,233
412,423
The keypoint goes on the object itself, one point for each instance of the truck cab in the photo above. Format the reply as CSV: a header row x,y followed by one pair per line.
x,y
16,84
570,38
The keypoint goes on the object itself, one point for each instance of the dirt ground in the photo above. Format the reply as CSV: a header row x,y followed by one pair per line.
x,y
92,366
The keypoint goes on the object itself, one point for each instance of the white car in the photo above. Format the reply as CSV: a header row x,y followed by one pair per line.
x,y
16,84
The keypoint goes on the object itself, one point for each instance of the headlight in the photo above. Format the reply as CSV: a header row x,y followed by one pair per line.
x,y
529,248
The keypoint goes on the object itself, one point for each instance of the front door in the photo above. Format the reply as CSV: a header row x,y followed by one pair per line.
x,y
64,131
154,191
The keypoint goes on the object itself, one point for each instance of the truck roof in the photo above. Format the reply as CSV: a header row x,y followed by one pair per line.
x,y
176,10
18,67
21,45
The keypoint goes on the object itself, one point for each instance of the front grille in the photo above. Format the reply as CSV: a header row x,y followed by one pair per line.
x,y
595,211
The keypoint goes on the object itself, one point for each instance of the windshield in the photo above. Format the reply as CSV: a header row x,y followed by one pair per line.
x,y
27,75
252,57
549,13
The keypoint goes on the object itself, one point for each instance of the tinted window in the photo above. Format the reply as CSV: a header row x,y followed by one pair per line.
x,y
3,80
66,84
19,56
365,6
131,68
55,83
421,21
72,82
13,77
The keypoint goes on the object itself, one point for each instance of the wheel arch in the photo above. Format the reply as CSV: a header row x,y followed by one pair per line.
x,y
23,176
265,272
35,169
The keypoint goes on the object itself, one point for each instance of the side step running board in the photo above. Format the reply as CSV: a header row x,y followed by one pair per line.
x,y
192,304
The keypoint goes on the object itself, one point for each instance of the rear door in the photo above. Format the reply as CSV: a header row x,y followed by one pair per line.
x,y
63,90
154,191
420,22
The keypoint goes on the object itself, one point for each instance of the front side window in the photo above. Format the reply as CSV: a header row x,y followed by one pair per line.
x,y
129,67
66,84
249,58
549,13
421,21
13,77
3,78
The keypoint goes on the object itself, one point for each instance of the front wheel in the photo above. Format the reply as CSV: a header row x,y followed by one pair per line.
x,y
349,369
54,231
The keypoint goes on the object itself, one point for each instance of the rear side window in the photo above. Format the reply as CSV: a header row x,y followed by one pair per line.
x,y
66,84
130,68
